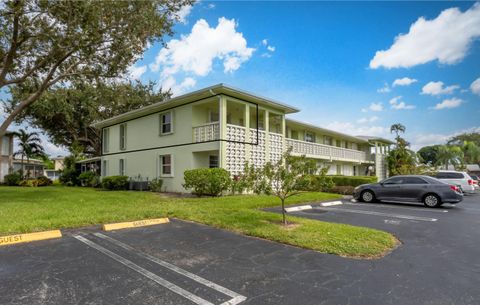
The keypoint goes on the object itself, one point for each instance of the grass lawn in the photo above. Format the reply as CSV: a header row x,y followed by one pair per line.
x,y
35,209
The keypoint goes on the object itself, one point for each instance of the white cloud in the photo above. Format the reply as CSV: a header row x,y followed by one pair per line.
x,y
421,140
183,13
195,53
265,42
475,86
177,89
403,81
436,88
135,72
397,104
446,38
376,107
368,119
352,129
384,89
211,5
449,103
271,49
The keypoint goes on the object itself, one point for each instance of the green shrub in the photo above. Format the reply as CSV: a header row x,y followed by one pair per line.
x,y
156,185
115,183
12,179
352,180
342,189
315,183
89,179
207,181
29,183
44,181
69,177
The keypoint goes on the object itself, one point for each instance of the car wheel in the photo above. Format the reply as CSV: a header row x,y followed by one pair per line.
x,y
367,196
432,201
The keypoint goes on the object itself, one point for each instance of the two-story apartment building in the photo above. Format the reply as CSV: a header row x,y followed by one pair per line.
x,y
6,155
220,126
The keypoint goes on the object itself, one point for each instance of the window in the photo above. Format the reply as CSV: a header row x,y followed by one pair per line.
x,y
327,140
166,126
309,137
213,161
414,180
294,134
121,167
104,168
213,117
123,136
105,139
339,169
166,165
449,175
395,180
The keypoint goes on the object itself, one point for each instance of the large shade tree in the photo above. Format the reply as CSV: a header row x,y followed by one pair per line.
x,y
45,43
66,114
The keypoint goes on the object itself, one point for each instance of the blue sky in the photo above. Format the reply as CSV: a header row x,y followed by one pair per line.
x,y
317,56
321,58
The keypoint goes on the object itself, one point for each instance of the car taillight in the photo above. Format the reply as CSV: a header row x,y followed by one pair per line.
x,y
455,188
470,182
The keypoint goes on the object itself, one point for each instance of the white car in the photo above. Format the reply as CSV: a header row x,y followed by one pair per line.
x,y
460,179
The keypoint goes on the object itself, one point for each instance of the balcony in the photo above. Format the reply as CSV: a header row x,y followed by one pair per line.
x,y
206,132
321,151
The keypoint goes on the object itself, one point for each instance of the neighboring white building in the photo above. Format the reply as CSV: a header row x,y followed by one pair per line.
x,y
54,173
6,155
221,126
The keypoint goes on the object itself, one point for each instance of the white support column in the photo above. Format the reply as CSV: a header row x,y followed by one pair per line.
x,y
222,118
247,133
266,125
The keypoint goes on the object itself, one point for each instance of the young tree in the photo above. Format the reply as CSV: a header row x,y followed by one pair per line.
x,y
66,114
284,178
29,146
44,43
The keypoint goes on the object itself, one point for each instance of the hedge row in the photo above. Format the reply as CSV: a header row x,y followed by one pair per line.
x,y
352,180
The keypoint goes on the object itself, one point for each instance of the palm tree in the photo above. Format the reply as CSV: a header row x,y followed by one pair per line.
x,y
29,146
397,129
449,155
471,152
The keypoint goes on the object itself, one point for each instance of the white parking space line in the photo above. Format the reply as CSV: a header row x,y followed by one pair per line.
x,y
159,280
383,205
236,298
377,214
298,208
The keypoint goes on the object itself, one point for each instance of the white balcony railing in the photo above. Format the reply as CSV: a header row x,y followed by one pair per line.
x,y
327,152
206,132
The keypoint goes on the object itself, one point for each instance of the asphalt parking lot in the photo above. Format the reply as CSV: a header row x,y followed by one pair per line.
x,y
186,263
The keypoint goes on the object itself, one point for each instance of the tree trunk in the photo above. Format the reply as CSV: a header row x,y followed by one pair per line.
x,y
284,212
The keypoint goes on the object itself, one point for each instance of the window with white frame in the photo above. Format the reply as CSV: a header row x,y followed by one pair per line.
x,y
166,165
123,136
121,167
166,123
105,139
309,137
213,161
